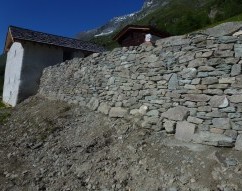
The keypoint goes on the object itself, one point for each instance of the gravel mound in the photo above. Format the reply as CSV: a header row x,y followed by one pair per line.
x,y
54,146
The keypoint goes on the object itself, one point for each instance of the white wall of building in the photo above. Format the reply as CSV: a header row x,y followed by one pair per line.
x,y
36,58
13,73
25,63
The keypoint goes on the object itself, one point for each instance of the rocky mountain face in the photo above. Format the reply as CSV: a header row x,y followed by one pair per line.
x,y
120,21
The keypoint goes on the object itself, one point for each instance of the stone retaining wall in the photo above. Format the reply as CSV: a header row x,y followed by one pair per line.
x,y
186,85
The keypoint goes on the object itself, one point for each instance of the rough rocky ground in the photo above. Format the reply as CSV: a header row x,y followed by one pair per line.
x,y
50,145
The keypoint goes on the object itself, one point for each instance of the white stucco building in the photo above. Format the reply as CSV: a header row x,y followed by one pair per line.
x,y
29,52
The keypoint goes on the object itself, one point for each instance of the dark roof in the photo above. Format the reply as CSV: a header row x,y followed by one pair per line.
x,y
18,33
146,29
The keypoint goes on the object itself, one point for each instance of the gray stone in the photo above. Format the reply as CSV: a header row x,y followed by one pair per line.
x,y
196,81
234,115
131,57
204,108
173,82
187,57
218,73
178,113
201,87
202,74
156,78
169,126
194,120
210,80
190,87
213,92
238,50
232,60
143,109
216,130
236,98
219,101
93,103
152,58
173,95
205,69
238,143
153,113
237,126
196,97
227,80
226,46
151,120
117,112
207,54
232,91
190,104
231,133
134,112
182,82
189,73
228,109
197,62
213,139
184,131
173,41
104,108
224,54
218,86
236,69
222,123
228,39
111,80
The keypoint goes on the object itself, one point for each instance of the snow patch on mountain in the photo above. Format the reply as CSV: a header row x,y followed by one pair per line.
x,y
104,33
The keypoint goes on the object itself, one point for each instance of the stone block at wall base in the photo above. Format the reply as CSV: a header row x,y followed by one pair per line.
x,y
117,112
213,139
184,131
238,144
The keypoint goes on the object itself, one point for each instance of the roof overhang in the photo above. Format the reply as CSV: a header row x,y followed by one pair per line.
x,y
146,29
9,41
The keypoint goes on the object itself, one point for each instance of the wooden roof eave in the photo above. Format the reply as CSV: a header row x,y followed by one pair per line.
x,y
9,41
126,29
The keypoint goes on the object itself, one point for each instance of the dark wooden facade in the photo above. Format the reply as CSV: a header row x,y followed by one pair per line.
x,y
134,35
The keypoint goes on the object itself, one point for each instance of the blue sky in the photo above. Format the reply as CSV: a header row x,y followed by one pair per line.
x,y
65,18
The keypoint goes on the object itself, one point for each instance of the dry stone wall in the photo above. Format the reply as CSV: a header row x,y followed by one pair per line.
x,y
186,85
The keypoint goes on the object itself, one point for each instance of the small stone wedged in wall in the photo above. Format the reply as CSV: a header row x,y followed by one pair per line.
x,y
192,80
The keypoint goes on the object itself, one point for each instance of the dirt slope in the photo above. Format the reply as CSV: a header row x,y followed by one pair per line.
x,y
50,145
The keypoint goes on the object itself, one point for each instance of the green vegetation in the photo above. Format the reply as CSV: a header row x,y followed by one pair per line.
x,y
105,41
4,114
184,16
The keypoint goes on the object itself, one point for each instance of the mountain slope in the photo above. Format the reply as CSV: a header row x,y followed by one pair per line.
x,y
175,16
118,22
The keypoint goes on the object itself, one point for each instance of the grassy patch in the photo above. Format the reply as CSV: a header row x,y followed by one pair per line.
x,y
4,114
